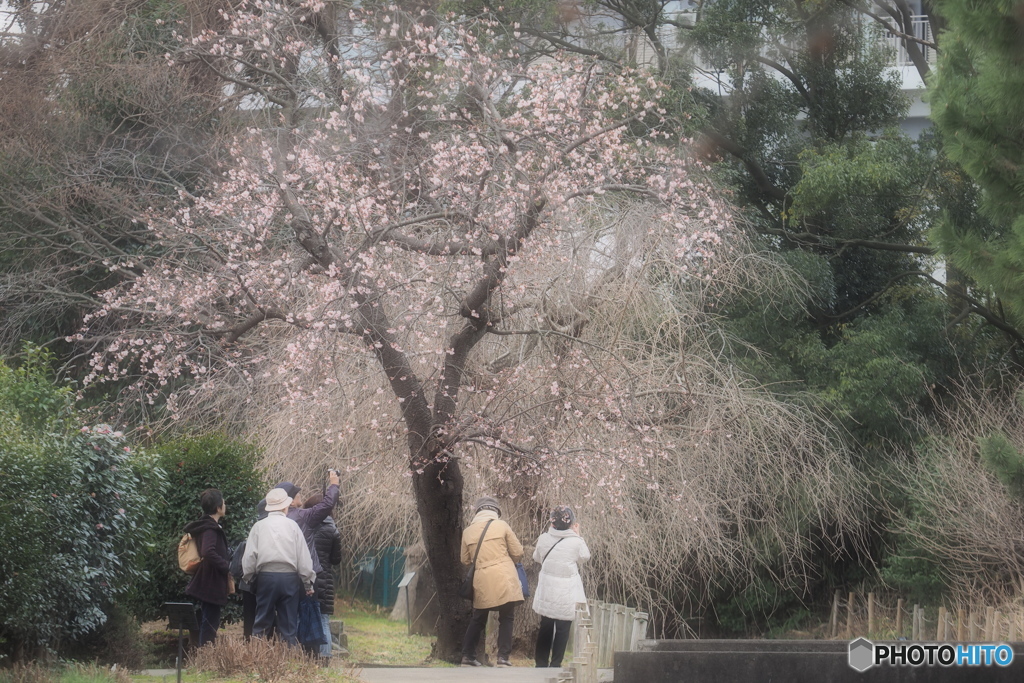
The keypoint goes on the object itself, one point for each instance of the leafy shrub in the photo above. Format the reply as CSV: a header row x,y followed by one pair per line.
x,y
76,513
119,641
914,573
1004,461
194,464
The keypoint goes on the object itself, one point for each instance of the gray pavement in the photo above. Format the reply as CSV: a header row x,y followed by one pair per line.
x,y
515,674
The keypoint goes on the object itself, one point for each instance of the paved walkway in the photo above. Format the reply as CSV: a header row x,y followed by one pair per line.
x,y
515,674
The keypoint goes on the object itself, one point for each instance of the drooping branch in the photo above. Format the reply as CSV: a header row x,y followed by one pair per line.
x,y
978,308
898,24
790,76
764,183
232,334
809,239
974,305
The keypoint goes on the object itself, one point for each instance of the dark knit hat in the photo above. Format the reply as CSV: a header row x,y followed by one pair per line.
x,y
487,503
562,517
289,488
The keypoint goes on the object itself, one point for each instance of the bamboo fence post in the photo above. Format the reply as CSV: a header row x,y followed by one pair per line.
x,y
940,630
604,641
1011,628
899,617
961,634
871,614
849,618
915,633
972,624
639,630
835,615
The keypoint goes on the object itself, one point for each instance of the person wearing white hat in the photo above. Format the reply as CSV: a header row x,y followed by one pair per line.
x,y
278,563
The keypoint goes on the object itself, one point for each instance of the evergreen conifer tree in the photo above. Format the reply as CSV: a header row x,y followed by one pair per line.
x,y
978,106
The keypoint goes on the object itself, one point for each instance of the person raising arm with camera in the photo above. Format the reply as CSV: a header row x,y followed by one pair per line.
x,y
310,519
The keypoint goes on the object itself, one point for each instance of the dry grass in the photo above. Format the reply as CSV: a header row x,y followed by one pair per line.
x,y
960,513
28,673
76,673
264,660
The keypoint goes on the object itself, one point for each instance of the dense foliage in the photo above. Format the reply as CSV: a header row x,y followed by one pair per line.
x,y
801,108
194,464
977,96
94,129
76,517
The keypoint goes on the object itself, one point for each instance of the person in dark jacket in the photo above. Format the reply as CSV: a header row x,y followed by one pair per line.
x,y
247,592
209,585
308,518
327,544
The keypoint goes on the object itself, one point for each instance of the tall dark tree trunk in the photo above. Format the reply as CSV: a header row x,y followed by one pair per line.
x,y
438,492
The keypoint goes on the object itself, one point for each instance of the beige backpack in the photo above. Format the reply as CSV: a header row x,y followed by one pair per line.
x,y
188,554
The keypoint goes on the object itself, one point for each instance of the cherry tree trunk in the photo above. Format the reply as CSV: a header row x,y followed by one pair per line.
x,y
438,492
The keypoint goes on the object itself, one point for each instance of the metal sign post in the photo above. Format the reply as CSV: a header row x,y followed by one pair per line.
x,y
182,615
404,583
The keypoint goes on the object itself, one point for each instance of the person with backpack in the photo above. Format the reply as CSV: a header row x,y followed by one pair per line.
x,y
559,551
210,582
491,548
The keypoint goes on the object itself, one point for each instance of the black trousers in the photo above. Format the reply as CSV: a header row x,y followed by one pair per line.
x,y
277,605
478,624
551,641
248,613
209,622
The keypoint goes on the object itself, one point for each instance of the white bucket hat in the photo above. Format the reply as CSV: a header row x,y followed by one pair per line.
x,y
278,499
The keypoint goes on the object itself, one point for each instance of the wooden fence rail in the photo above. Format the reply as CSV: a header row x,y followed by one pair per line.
x,y
858,614
600,630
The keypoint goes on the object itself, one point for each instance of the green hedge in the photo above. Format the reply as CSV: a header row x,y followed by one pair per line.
x,y
194,464
75,516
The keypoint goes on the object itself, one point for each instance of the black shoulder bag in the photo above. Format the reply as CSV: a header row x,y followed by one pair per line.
x,y
549,552
466,589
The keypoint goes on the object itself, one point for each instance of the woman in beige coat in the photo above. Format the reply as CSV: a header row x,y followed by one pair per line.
x,y
495,583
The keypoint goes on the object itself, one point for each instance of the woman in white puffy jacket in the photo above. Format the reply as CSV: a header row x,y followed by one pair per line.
x,y
559,586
